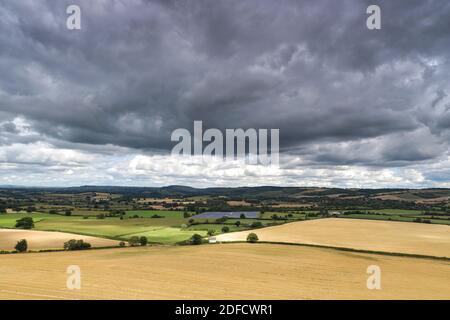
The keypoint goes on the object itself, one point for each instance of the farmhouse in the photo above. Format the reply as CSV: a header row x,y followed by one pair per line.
x,y
212,240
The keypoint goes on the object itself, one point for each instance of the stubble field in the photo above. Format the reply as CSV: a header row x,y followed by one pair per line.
x,y
38,240
387,236
227,271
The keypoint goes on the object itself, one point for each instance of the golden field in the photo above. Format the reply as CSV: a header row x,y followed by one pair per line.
x,y
388,236
226,271
38,240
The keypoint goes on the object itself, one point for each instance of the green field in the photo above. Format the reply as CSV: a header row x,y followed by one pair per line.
x,y
397,211
162,230
9,220
150,213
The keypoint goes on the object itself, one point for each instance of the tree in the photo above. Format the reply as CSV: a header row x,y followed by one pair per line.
x,y
242,216
21,246
122,243
252,237
196,239
25,223
143,241
324,212
238,223
134,241
68,213
73,244
256,224
225,229
210,233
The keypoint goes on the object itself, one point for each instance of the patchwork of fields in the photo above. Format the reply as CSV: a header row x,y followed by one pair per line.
x,y
400,237
165,230
228,271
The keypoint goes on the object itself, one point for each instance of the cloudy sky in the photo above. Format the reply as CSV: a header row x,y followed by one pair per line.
x,y
355,107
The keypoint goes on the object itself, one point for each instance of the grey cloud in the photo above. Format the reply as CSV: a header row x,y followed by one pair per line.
x,y
139,69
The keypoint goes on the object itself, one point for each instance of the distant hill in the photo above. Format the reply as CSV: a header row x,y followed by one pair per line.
x,y
262,192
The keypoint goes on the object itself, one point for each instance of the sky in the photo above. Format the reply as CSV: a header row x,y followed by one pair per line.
x,y
356,108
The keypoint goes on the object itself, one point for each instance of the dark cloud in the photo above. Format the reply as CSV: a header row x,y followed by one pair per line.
x,y
139,69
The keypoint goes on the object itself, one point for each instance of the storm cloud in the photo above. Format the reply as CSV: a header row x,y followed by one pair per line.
x,y
345,98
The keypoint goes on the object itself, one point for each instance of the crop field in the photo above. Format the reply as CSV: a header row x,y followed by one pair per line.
x,y
38,240
400,237
227,271
166,230
150,213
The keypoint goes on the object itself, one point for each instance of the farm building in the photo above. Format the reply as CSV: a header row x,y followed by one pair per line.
x,y
231,215
212,240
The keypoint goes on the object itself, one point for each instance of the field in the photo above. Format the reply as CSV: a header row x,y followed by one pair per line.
x,y
165,230
401,237
296,261
228,271
38,240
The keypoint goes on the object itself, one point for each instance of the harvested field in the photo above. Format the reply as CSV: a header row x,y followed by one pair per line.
x,y
388,236
38,240
227,271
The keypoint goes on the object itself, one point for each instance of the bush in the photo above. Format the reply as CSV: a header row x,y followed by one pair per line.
x,y
122,243
134,241
25,223
68,213
143,241
256,224
157,216
225,229
101,216
242,216
252,238
21,246
196,239
76,245
210,233
237,224
221,220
